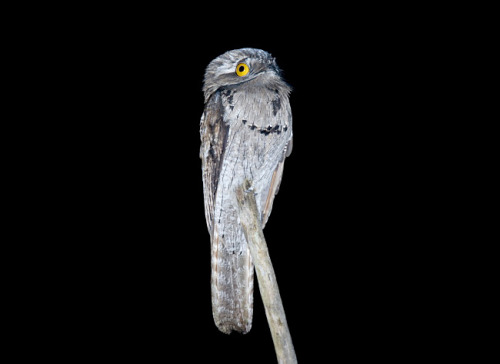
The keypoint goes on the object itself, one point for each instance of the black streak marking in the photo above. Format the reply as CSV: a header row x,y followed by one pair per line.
x,y
211,151
268,130
229,94
276,105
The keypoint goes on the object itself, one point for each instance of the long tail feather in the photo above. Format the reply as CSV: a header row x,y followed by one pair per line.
x,y
232,286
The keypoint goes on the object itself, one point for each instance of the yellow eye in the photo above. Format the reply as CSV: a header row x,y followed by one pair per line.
x,y
242,69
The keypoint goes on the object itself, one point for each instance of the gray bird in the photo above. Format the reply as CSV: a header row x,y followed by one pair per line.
x,y
246,133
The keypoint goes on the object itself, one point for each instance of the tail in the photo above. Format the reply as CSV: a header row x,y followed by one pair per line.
x,y
232,283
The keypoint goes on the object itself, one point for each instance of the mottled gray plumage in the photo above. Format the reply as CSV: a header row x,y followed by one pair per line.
x,y
246,133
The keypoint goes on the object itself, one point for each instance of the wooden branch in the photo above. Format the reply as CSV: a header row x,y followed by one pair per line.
x,y
268,285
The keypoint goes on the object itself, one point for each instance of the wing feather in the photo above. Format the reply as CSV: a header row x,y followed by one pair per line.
x,y
275,185
232,272
213,132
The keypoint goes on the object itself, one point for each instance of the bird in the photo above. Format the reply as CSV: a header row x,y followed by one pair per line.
x,y
246,134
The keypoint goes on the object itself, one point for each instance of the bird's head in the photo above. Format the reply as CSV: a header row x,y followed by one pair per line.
x,y
241,66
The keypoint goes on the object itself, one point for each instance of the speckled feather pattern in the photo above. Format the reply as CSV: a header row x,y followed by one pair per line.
x,y
246,133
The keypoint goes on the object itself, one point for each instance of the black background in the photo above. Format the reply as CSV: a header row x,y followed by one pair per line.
x,y
130,260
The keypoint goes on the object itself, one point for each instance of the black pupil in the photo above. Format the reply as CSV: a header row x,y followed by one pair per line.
x,y
241,68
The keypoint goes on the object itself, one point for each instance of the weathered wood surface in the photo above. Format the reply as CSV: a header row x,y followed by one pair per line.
x,y
266,277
